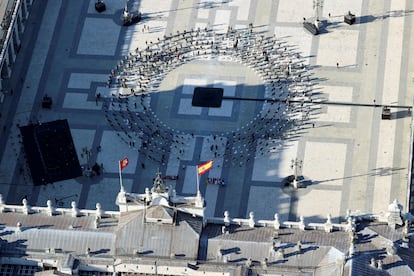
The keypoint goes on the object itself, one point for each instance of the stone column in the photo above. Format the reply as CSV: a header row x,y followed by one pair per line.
x,y
6,64
24,10
11,51
20,19
16,34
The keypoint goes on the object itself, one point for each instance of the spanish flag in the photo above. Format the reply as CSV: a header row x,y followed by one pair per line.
x,y
123,163
203,168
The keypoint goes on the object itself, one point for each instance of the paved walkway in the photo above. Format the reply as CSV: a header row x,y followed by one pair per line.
x,y
351,158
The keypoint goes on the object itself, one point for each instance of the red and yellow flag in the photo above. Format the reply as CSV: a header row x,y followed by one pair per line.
x,y
203,168
123,163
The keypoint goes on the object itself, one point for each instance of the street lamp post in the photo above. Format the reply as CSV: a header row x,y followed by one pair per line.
x,y
296,166
87,152
317,5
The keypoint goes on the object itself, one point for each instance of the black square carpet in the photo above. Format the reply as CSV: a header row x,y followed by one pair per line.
x,y
207,97
50,152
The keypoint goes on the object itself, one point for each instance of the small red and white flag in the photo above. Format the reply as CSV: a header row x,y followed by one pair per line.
x,y
123,163
203,168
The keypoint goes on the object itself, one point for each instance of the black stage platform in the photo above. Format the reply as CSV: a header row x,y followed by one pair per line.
x,y
50,152
207,97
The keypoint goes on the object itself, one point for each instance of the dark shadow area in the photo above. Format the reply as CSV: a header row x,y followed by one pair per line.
x,y
374,172
207,97
303,251
371,18
50,152
401,114
365,19
100,251
146,252
37,227
238,260
13,249
235,250
366,238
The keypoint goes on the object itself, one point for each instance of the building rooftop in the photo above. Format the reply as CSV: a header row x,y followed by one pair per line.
x,y
142,236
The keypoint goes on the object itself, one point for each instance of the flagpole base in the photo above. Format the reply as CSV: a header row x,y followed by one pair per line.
x,y
88,172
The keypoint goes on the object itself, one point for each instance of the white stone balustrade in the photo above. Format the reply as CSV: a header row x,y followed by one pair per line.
x,y
50,210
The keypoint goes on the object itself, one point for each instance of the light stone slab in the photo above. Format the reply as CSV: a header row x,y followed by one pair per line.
x,y
275,166
207,154
135,38
114,150
317,204
203,13
189,85
266,201
335,113
243,8
189,149
285,12
225,110
221,21
84,80
324,162
339,8
173,165
80,101
338,47
298,37
99,37
160,9
186,108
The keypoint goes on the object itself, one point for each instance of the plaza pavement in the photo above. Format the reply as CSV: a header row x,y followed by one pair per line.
x,y
351,158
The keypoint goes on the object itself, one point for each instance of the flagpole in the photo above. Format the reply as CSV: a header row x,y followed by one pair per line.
x,y
198,182
120,175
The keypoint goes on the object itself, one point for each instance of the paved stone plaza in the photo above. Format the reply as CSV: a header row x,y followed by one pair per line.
x,y
351,159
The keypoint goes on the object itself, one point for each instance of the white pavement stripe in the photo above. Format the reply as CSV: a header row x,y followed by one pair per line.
x,y
190,180
28,96
211,199
386,140
84,80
